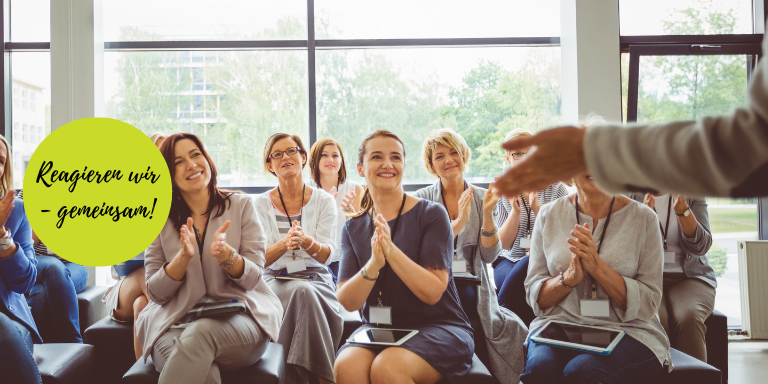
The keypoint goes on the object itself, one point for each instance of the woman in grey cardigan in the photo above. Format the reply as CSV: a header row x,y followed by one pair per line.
x,y
211,249
471,211
689,280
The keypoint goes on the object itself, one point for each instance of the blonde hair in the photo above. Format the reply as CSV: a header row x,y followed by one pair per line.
x,y
6,183
157,137
516,134
448,138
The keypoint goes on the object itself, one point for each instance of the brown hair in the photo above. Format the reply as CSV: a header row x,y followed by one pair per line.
x,y
219,198
449,138
6,183
271,143
367,202
316,152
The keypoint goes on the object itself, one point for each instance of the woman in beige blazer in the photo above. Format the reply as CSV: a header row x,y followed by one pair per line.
x,y
211,250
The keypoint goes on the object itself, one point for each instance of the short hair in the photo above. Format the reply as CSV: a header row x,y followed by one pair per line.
x,y
316,152
516,134
271,143
446,137
6,183
157,137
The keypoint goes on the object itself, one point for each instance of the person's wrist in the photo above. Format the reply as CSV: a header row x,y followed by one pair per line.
x,y
224,254
568,279
372,267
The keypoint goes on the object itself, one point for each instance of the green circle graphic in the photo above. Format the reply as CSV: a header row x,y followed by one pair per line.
x,y
97,191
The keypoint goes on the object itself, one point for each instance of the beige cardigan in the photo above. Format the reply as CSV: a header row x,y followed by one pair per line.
x,y
171,299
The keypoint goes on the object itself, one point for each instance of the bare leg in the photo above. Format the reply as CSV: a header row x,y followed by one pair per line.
x,y
353,365
138,306
399,365
133,287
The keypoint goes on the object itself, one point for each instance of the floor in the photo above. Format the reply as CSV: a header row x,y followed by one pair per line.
x,y
747,362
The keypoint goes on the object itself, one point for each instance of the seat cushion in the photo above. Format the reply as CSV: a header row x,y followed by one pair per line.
x,y
113,344
478,373
90,306
688,370
352,321
64,363
269,370
717,342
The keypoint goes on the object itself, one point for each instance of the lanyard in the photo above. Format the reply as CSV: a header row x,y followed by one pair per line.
x,y
442,195
290,221
385,270
665,231
527,213
602,237
201,239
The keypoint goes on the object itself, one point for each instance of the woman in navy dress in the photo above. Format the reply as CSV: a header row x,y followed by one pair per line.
x,y
397,253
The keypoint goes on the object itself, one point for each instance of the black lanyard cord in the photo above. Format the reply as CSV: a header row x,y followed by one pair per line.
x,y
385,270
602,237
201,239
290,221
528,214
665,231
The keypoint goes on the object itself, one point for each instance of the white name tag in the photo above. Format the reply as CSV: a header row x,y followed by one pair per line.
x,y
669,257
296,266
525,242
380,315
594,308
459,266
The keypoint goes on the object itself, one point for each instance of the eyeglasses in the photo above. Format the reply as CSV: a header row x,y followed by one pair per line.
x,y
279,154
518,155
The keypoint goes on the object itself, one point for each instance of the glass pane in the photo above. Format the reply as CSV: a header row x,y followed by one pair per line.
x,y
690,87
483,93
233,100
30,20
31,94
685,17
369,19
157,20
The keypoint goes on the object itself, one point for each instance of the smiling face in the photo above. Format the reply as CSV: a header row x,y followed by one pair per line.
x,y
330,160
192,172
447,162
383,163
286,166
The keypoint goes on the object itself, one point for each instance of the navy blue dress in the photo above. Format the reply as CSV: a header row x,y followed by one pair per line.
x,y
424,234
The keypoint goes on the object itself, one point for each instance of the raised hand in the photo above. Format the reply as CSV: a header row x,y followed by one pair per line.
x,y
490,199
650,201
465,208
333,192
383,235
680,204
575,273
583,244
347,202
378,260
6,207
188,241
533,201
220,241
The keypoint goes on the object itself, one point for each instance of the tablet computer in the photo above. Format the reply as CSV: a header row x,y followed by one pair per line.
x,y
382,336
584,338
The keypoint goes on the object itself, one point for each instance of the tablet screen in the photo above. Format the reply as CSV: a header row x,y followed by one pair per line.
x,y
380,335
599,338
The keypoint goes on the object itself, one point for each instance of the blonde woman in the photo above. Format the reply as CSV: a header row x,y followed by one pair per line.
x,y
476,244
515,219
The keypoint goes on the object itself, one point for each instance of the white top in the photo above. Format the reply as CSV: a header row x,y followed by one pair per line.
x,y
673,234
343,189
318,219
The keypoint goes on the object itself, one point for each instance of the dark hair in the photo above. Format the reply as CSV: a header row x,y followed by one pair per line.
x,y
367,202
271,143
219,198
316,152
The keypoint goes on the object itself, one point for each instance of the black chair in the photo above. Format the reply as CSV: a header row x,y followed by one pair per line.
x,y
717,342
688,370
64,363
113,345
90,306
269,370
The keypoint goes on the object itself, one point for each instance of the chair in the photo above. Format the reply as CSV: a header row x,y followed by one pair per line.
x,y
90,306
269,370
716,341
64,363
113,345
688,370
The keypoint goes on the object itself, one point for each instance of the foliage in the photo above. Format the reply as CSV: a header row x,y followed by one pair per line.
x,y
718,260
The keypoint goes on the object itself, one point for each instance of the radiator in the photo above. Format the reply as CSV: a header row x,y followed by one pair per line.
x,y
753,283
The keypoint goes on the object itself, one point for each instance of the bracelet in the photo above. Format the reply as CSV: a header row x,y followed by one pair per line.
x,y
228,264
365,275
563,282
310,246
488,234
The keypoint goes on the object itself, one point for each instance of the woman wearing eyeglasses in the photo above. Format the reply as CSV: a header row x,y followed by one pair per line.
x,y
515,220
300,223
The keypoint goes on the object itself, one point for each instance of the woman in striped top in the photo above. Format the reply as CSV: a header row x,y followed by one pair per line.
x,y
300,223
515,220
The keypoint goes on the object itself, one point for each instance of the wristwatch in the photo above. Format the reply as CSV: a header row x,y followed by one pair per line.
x,y
685,213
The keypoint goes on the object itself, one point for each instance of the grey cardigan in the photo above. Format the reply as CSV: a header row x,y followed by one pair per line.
x,y
504,332
696,264
171,299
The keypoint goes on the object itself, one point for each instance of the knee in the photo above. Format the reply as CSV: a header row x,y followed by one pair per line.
x,y
199,332
384,371
52,268
139,304
583,375
688,321
349,368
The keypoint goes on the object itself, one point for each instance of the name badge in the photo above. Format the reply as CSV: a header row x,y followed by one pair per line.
x,y
296,266
380,315
459,266
669,257
525,242
595,308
